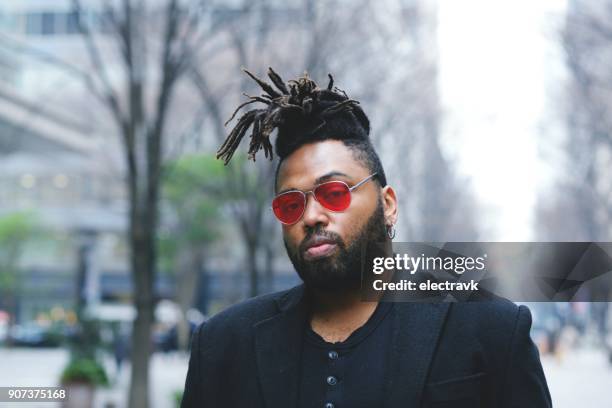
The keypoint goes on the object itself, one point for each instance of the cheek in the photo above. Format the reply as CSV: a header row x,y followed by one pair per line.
x,y
346,224
348,227
359,211
352,221
292,235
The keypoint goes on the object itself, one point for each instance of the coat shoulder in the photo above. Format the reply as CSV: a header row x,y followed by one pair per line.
x,y
492,318
237,320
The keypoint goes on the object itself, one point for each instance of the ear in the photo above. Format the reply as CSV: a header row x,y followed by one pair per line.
x,y
389,200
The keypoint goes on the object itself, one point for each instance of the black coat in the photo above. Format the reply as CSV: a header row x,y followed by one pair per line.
x,y
472,354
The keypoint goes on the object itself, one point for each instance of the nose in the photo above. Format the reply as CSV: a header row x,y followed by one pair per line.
x,y
314,213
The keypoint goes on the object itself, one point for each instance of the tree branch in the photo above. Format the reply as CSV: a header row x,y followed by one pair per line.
x,y
109,94
85,77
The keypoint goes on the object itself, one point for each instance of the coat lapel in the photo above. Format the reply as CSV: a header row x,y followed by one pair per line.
x,y
278,345
416,330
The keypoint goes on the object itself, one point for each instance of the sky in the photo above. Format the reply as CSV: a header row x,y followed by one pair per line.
x,y
499,66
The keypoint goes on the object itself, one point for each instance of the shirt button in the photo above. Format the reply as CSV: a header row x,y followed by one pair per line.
x,y
331,380
332,355
329,405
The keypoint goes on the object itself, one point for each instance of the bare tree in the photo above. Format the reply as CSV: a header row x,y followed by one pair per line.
x,y
581,204
138,54
584,192
142,126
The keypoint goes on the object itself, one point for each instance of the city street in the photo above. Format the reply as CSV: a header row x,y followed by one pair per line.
x,y
581,378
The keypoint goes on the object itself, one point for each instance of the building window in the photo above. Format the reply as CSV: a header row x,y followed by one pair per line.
x,y
33,23
72,26
62,23
48,23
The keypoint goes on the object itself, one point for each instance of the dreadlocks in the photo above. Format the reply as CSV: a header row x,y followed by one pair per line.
x,y
302,113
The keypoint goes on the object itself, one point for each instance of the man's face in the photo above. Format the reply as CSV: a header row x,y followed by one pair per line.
x,y
326,247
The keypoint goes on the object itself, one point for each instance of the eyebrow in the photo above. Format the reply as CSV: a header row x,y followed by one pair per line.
x,y
319,180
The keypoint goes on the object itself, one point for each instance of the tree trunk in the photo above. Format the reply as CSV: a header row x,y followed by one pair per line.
x,y
269,265
190,271
253,270
142,240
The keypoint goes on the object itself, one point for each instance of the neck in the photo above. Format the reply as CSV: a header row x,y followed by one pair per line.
x,y
335,316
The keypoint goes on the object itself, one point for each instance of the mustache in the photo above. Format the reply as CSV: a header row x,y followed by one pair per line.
x,y
320,233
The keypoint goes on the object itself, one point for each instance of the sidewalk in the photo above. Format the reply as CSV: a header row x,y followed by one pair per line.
x,y
42,367
582,378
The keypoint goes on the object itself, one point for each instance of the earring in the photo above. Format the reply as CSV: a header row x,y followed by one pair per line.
x,y
391,231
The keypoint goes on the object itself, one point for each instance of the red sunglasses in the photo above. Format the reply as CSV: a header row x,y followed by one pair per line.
x,y
333,195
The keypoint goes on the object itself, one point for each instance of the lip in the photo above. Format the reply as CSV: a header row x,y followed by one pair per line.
x,y
319,247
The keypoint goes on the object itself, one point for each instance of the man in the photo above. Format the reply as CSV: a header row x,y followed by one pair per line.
x,y
319,344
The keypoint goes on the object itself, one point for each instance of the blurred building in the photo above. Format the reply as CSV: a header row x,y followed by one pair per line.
x,y
50,169
61,159
54,166
59,165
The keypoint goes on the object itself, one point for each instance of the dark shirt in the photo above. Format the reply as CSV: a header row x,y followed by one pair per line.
x,y
349,373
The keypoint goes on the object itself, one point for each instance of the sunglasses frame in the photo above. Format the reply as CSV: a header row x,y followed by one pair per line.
x,y
305,195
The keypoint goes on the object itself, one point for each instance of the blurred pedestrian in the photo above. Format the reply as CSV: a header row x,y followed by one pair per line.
x,y
120,348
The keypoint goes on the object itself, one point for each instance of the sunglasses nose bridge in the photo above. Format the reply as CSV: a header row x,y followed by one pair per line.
x,y
312,212
311,193
314,197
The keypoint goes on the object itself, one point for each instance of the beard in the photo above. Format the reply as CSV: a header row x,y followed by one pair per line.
x,y
341,271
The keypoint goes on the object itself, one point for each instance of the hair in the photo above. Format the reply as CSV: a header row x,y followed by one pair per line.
x,y
302,113
362,152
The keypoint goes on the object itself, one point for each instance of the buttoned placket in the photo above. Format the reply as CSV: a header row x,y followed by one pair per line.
x,y
333,379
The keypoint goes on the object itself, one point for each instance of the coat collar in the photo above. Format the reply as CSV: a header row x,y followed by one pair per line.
x,y
290,298
278,347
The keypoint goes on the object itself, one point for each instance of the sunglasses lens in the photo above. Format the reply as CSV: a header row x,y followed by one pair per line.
x,y
288,207
334,196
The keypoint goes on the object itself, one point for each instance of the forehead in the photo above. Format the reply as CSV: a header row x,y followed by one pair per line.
x,y
314,160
